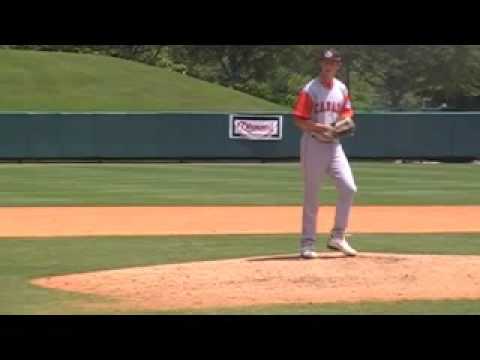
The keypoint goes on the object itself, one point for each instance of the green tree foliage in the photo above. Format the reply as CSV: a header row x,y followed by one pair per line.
x,y
451,74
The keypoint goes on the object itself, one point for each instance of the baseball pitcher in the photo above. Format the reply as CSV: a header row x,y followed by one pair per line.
x,y
324,113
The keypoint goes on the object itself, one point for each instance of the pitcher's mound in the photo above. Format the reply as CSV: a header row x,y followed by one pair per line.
x,y
282,280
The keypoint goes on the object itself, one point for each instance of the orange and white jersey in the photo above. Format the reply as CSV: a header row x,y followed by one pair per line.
x,y
323,103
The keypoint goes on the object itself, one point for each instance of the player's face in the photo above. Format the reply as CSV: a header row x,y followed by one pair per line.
x,y
329,67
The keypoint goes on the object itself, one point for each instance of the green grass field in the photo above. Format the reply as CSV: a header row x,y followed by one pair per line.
x,y
116,184
22,260
42,185
49,81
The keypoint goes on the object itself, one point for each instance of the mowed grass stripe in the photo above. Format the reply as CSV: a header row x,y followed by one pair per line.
x,y
229,185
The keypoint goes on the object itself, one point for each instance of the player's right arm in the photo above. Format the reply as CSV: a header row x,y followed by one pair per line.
x,y
302,113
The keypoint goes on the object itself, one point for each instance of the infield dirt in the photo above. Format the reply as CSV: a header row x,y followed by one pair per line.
x,y
145,221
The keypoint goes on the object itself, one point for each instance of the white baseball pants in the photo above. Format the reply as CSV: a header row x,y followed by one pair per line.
x,y
318,161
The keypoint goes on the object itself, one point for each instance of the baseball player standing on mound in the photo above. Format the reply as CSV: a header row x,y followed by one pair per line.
x,y
324,113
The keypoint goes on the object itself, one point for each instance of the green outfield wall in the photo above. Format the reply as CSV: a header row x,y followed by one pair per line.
x,y
177,136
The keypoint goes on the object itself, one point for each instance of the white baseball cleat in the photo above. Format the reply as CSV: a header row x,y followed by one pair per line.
x,y
308,253
341,244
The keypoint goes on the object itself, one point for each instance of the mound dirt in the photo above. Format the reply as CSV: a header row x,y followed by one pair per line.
x,y
332,278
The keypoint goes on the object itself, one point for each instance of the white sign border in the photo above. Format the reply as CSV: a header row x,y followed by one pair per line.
x,y
278,118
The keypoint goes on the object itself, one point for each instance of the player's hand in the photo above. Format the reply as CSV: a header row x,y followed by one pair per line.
x,y
322,129
325,133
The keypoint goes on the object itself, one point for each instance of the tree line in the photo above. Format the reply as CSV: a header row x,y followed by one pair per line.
x,y
380,77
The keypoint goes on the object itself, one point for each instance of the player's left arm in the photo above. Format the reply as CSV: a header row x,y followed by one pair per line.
x,y
345,125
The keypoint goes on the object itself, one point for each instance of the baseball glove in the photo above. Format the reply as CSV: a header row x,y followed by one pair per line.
x,y
344,128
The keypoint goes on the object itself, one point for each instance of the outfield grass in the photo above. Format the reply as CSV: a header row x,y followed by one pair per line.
x,y
50,81
222,185
23,260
